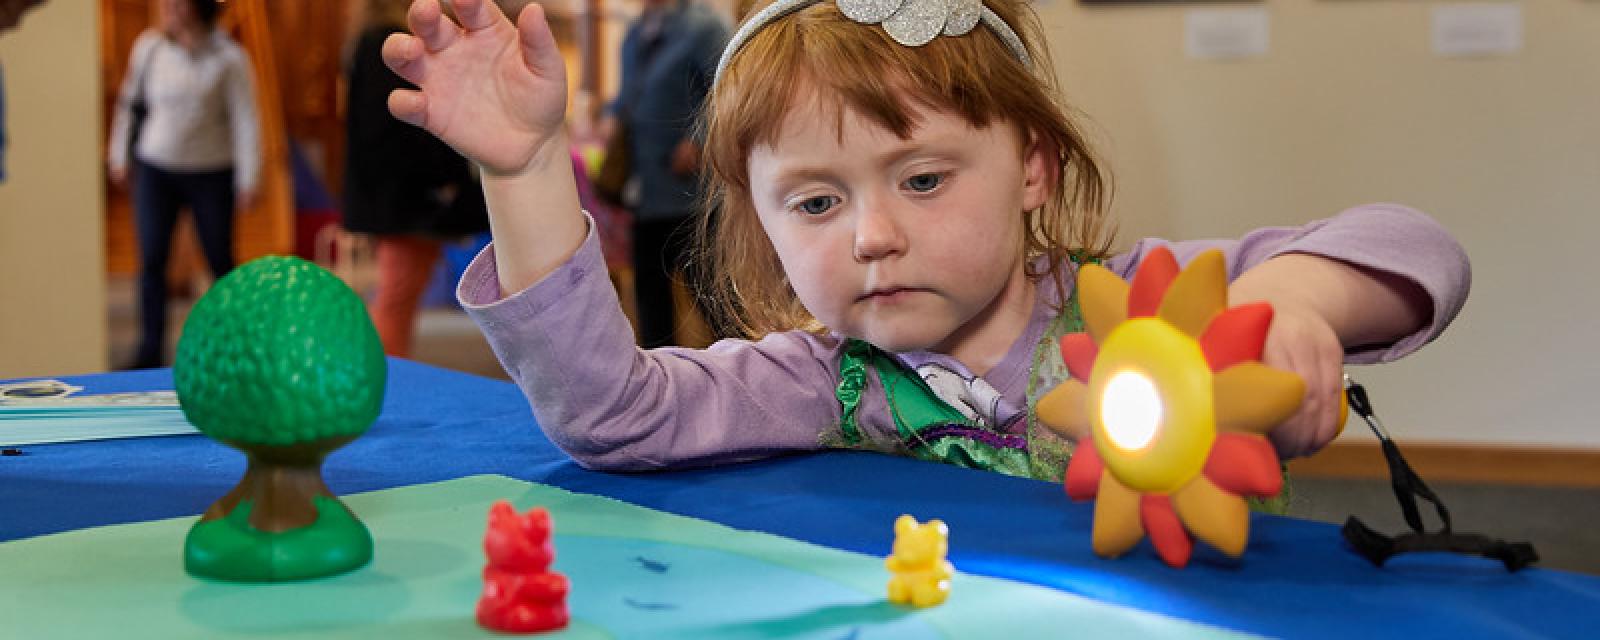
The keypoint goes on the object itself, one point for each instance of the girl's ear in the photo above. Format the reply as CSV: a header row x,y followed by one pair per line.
x,y
1040,171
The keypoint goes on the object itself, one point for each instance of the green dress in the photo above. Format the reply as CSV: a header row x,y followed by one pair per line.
x,y
930,429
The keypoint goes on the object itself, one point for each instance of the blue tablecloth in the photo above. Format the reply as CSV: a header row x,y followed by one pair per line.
x,y
1297,579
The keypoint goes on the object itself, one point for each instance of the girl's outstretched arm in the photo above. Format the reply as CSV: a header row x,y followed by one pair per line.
x,y
614,406
496,92
1371,284
1320,305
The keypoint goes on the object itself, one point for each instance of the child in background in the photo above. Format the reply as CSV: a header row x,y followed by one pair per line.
x,y
898,200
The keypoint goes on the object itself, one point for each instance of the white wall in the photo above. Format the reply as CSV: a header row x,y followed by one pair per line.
x,y
1351,106
52,246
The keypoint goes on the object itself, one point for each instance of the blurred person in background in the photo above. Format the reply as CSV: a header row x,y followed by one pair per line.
x,y
10,16
669,56
402,186
11,12
185,133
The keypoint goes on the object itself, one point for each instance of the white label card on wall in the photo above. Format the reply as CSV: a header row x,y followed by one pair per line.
x,y
1226,33
1477,29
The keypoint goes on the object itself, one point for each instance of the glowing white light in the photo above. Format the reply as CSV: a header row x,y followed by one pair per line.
x,y
1130,409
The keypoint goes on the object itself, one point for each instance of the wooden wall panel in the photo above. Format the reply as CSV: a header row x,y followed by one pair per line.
x,y
121,21
308,38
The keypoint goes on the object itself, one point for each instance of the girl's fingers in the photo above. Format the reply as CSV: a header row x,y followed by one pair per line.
x,y
1286,436
1324,384
538,44
409,106
1330,358
1310,414
1305,431
428,23
403,54
476,15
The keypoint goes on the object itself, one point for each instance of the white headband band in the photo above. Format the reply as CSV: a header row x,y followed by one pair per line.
x,y
912,23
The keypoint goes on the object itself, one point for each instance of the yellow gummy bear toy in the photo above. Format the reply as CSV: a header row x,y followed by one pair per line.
x,y
921,574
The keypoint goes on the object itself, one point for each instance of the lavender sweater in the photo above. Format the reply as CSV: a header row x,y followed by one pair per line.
x,y
611,405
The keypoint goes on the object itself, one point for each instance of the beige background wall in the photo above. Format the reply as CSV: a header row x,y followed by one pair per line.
x,y
52,273
1351,106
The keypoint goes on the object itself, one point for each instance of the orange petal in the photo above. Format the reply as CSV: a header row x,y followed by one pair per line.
x,y
1083,472
1166,532
1150,282
1065,409
1219,518
1253,398
1236,335
1197,294
1078,351
1244,464
1116,518
1103,299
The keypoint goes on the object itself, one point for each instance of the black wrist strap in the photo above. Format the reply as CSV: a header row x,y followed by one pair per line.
x,y
1408,486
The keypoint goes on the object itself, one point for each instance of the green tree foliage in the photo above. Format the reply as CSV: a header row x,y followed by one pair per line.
x,y
278,353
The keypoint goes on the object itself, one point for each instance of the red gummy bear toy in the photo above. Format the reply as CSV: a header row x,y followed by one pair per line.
x,y
520,592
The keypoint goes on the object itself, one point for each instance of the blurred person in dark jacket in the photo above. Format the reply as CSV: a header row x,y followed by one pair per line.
x,y
404,187
669,56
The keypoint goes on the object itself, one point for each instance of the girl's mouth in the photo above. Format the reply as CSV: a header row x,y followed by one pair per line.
x,y
888,294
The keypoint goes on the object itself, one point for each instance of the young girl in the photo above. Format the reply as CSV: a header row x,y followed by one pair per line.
x,y
897,200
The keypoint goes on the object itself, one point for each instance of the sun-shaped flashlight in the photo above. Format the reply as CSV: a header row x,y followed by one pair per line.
x,y
1168,386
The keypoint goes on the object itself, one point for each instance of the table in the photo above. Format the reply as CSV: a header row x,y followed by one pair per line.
x,y
1296,580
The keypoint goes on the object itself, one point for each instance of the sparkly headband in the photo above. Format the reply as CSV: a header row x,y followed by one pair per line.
x,y
912,23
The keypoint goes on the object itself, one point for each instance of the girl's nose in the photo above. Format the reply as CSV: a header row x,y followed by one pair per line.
x,y
878,232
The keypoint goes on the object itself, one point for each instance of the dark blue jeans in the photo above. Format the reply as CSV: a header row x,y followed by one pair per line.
x,y
158,195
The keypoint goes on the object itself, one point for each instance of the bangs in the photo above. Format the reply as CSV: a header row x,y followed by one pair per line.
x,y
818,58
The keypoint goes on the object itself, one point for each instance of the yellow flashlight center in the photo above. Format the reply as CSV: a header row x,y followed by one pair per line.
x,y
1151,405
1131,410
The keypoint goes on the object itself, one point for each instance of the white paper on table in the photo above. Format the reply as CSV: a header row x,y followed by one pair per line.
x,y
31,420
1477,29
1226,33
19,430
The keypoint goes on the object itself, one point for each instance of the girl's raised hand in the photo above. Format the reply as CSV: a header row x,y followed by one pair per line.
x,y
494,91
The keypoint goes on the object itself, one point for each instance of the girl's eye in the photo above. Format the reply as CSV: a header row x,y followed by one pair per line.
x,y
924,182
817,205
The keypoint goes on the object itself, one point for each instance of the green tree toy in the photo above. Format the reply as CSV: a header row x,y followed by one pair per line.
x,y
280,361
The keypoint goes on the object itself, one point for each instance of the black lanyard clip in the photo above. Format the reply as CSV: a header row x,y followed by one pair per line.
x,y
1408,486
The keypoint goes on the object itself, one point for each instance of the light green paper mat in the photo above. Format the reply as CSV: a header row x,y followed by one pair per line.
x,y
635,572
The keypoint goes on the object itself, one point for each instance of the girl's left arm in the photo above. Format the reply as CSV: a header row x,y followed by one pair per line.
x,y
1371,284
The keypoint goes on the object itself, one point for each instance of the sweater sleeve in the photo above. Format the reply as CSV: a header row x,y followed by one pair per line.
x,y
1383,237
613,406
122,110
244,121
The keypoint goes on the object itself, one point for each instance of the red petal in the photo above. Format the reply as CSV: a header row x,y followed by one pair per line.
x,y
1078,351
1166,532
1083,472
1244,464
1236,335
1150,282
